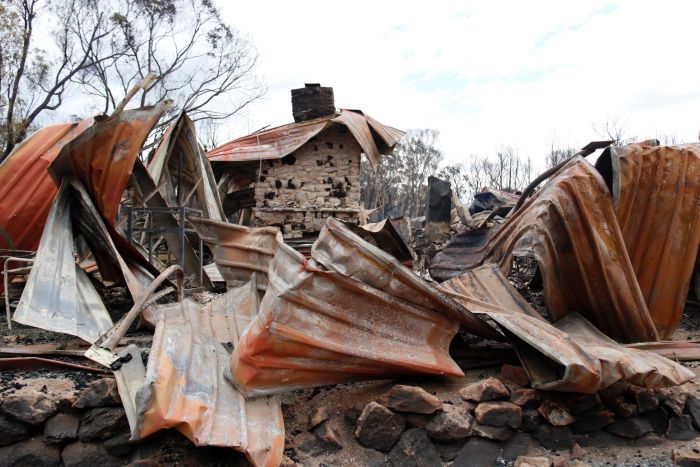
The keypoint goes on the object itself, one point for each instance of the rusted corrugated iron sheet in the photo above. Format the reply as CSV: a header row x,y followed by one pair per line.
x,y
490,198
384,235
199,186
185,386
656,193
239,251
103,155
342,251
276,143
679,351
320,327
570,227
568,356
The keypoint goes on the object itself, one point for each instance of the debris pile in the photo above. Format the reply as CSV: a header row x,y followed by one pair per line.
x,y
269,323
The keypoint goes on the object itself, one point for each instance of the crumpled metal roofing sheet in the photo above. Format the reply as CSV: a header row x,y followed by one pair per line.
x,y
181,137
656,193
320,327
239,251
570,355
342,251
185,385
59,295
103,155
278,142
570,227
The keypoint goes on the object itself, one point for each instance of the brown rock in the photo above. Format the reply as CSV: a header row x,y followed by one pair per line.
x,y
80,454
673,398
555,413
32,452
659,420
410,399
531,418
478,452
417,420
494,433
525,397
681,428
287,462
646,399
414,449
577,452
593,420
621,408
65,402
119,445
531,461
515,374
692,408
61,427
102,423
100,393
554,438
378,427
686,457
450,424
633,427
31,407
318,415
489,389
326,433
499,414
12,431
578,403
559,461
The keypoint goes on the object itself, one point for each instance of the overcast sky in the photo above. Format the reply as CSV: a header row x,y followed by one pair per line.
x,y
486,73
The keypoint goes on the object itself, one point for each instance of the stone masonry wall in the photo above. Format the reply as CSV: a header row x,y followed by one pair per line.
x,y
321,178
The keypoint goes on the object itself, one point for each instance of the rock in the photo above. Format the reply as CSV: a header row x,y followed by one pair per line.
x,y
64,402
489,389
525,397
494,433
554,438
326,433
100,393
12,431
318,416
577,452
593,420
31,407
646,399
414,449
119,445
287,462
516,446
61,427
559,461
81,454
410,399
499,414
681,428
478,452
530,421
686,457
416,420
378,427
450,424
578,403
531,461
32,452
555,413
515,374
692,408
633,427
673,398
448,451
102,423
659,421
621,408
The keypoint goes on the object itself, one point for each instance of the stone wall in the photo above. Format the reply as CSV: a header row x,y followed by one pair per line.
x,y
321,178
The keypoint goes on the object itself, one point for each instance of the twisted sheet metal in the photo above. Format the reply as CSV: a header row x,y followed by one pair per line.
x,y
239,252
656,193
320,327
59,295
342,251
185,387
570,227
569,356
278,142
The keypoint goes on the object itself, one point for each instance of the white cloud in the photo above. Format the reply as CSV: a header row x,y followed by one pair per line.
x,y
484,73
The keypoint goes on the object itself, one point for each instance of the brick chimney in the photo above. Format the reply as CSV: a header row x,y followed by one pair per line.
x,y
312,101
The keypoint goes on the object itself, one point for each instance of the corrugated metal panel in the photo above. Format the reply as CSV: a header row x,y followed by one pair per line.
x,y
103,156
26,189
342,251
568,356
276,143
59,295
318,327
185,385
656,192
570,227
239,251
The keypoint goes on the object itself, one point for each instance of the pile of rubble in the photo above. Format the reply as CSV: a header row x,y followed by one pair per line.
x,y
275,363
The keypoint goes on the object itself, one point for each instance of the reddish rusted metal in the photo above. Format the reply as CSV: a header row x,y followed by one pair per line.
x,y
320,327
278,142
680,351
656,194
27,363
